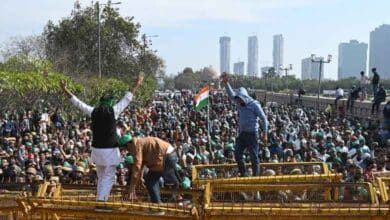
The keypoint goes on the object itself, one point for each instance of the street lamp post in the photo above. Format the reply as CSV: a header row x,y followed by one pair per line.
x,y
321,61
99,41
145,45
286,69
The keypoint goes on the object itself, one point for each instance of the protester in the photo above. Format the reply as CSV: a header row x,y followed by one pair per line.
x,y
159,157
339,95
105,152
353,95
249,111
375,81
363,85
379,98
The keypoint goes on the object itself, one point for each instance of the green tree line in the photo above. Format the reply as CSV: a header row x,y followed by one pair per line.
x,y
188,79
67,50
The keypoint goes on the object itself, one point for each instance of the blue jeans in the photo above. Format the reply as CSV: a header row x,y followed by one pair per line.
x,y
247,140
152,178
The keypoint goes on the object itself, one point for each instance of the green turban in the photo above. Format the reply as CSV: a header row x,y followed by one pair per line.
x,y
220,155
125,139
229,146
107,101
129,160
120,166
186,183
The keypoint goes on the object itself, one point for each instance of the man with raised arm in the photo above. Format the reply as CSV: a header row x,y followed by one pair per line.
x,y
249,111
105,151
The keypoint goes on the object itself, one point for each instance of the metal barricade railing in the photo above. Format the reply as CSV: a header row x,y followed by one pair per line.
x,y
383,184
12,199
271,179
73,201
221,171
294,192
292,199
283,197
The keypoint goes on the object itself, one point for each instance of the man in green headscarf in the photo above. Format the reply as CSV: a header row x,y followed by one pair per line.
x,y
105,152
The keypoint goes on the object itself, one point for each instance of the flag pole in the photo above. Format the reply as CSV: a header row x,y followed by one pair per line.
x,y
208,123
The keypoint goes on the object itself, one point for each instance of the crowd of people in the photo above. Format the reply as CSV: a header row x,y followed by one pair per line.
x,y
39,144
361,91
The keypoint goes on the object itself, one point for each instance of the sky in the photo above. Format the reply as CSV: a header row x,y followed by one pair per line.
x,y
189,30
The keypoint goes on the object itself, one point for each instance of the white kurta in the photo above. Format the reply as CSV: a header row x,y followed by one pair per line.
x,y
105,156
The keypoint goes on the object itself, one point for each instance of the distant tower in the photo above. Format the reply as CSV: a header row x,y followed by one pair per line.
x,y
352,59
310,70
253,56
224,54
380,50
278,52
239,68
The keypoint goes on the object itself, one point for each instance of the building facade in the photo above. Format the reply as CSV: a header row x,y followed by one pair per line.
x,y
253,56
224,54
380,50
311,70
352,59
239,68
277,52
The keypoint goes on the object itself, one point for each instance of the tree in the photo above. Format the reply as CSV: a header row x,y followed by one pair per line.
x,y
270,73
187,79
32,47
72,45
169,83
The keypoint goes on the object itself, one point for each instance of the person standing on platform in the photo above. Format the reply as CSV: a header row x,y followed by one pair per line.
x,y
105,152
339,95
363,85
379,98
249,110
375,81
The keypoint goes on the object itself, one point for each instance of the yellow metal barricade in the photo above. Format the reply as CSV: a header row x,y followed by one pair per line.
x,y
223,171
307,201
293,192
79,202
383,184
271,179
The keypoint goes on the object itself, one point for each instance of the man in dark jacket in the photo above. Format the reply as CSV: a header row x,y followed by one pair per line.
x,y
386,115
353,95
375,81
378,99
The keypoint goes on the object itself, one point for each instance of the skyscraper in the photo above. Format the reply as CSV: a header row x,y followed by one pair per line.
x,y
310,70
253,56
224,54
278,52
239,68
380,50
352,59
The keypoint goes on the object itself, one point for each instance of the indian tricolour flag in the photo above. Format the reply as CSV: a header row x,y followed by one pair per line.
x,y
202,98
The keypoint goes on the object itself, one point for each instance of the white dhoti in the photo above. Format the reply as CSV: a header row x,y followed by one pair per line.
x,y
106,160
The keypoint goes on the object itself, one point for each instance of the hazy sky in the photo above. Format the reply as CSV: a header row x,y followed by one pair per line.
x,y
189,30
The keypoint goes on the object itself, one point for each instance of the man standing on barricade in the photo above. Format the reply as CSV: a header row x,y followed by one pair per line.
x,y
105,151
249,110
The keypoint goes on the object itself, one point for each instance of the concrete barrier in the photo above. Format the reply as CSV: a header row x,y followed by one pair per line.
x,y
362,109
